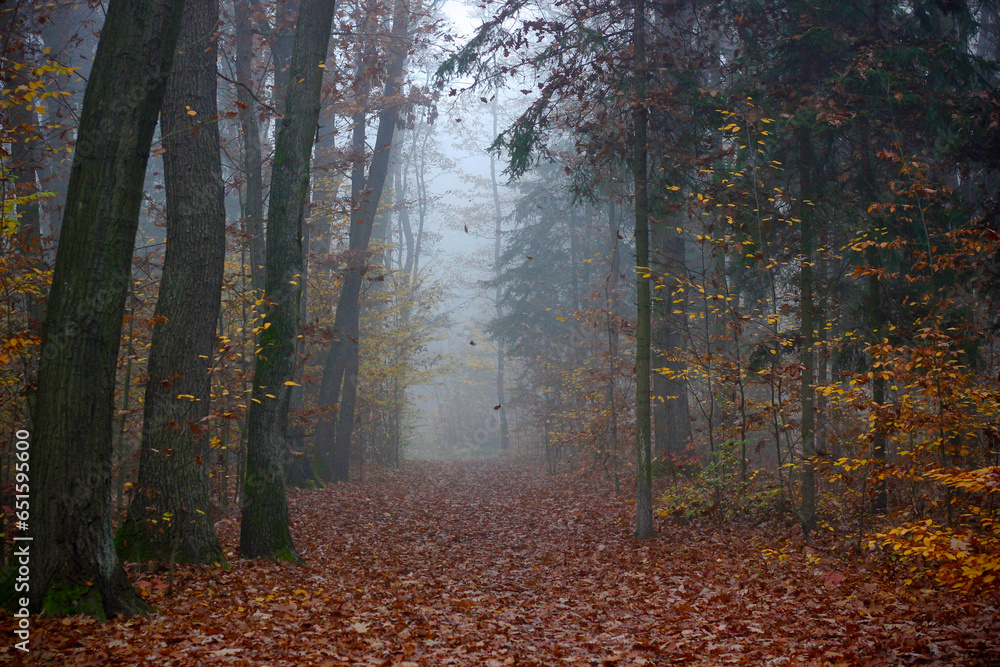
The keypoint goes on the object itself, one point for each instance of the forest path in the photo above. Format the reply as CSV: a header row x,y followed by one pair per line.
x,y
497,563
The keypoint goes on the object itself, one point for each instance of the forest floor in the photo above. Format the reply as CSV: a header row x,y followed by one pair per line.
x,y
496,563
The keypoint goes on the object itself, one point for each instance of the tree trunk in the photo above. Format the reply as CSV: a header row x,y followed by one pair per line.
x,y
299,472
497,246
170,513
348,407
406,265
74,568
264,532
282,39
250,131
644,468
807,166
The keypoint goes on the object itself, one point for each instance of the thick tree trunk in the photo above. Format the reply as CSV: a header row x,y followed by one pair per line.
x,y
264,531
334,451
644,468
807,194
74,568
169,517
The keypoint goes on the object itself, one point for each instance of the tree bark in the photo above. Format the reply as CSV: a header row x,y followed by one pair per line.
x,y
74,568
250,131
807,162
169,517
644,468
282,44
264,532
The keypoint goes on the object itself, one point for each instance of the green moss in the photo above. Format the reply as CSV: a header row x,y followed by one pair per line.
x,y
135,546
320,470
287,554
73,600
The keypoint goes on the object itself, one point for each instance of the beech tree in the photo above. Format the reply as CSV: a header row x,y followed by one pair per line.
x,y
643,432
74,568
809,192
264,529
170,512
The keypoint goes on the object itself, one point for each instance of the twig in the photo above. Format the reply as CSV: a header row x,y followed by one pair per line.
x,y
252,94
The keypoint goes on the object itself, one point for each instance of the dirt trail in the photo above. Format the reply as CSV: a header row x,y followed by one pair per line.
x,y
497,563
